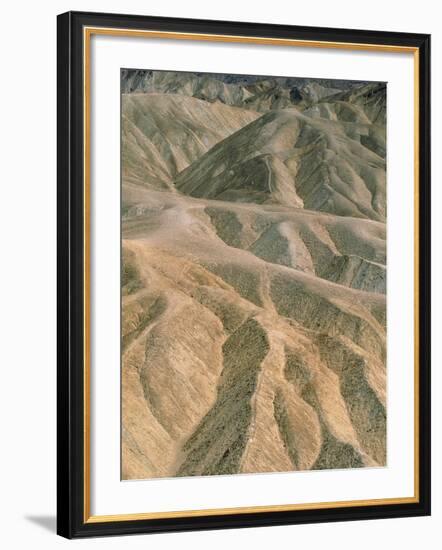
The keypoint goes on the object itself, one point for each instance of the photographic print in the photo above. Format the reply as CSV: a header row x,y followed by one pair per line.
x,y
223,339
253,274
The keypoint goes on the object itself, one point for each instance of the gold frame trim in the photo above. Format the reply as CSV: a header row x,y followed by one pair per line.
x,y
87,34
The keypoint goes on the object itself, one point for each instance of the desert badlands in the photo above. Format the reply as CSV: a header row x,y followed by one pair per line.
x,y
253,274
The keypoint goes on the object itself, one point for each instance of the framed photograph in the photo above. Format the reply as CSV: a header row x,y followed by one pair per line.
x,y
243,274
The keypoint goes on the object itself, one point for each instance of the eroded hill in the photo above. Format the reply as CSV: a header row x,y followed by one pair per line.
x,y
253,281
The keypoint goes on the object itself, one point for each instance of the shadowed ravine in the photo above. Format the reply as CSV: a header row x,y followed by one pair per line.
x,y
253,275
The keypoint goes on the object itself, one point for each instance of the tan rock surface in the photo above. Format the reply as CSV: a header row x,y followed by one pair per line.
x,y
253,287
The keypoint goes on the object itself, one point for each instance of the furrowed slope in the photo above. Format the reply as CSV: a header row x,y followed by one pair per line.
x,y
274,369
363,112
371,99
287,158
163,134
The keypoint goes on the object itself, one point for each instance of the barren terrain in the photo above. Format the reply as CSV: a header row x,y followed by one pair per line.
x,y
253,274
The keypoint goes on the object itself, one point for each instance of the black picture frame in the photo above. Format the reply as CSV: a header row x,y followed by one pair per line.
x,y
72,521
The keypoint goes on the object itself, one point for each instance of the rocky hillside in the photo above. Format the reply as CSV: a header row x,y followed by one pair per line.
x,y
253,276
